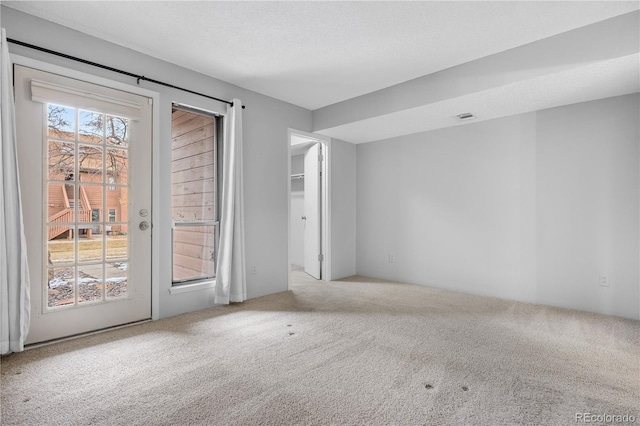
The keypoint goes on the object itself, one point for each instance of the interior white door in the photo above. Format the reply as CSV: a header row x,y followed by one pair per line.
x,y
87,208
312,211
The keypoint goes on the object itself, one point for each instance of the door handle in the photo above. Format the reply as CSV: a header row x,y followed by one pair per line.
x,y
304,218
144,225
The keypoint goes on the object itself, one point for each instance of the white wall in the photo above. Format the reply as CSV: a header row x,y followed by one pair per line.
x,y
343,209
587,205
296,236
533,207
265,126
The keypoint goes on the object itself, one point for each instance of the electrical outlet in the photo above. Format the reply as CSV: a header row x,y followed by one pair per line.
x,y
254,270
604,281
392,258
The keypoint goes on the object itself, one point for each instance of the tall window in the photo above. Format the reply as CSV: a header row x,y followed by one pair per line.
x,y
83,147
193,195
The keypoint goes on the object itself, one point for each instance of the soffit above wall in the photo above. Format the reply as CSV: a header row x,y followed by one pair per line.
x,y
615,77
594,62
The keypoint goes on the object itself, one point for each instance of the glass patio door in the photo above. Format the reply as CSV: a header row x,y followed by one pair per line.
x,y
86,150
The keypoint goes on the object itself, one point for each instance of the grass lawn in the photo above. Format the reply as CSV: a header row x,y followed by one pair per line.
x,y
62,251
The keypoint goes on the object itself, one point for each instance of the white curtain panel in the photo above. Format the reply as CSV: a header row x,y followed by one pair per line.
x,y
14,273
231,282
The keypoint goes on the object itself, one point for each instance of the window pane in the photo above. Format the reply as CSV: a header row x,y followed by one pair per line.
x,y
62,158
117,130
193,167
89,200
61,247
116,280
193,252
90,283
90,164
61,122
60,287
60,199
117,166
90,126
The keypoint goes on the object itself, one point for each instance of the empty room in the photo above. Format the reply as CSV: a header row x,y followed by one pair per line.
x,y
320,213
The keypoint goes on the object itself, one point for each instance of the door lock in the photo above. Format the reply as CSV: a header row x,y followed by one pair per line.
x,y
144,213
144,225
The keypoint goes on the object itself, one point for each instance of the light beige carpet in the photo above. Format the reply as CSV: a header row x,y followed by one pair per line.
x,y
353,352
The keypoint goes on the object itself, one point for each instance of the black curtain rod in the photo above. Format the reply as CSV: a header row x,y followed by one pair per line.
x,y
105,67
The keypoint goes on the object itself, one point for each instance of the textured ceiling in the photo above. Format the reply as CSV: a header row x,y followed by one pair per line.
x,y
314,54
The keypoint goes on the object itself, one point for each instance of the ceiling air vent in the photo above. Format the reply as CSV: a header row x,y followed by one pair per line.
x,y
466,116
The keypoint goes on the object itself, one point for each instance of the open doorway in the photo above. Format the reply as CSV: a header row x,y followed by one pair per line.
x,y
309,221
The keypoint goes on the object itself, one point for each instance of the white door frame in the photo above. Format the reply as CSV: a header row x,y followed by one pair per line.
x,y
155,159
325,196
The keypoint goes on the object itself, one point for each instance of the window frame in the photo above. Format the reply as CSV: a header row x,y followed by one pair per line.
x,y
177,285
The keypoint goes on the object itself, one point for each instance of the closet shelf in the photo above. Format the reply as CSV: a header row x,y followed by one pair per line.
x,y
297,176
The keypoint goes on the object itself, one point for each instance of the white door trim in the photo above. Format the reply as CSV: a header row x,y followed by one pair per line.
x,y
326,200
155,159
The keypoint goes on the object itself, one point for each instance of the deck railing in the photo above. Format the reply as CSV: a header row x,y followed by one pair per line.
x,y
60,222
65,217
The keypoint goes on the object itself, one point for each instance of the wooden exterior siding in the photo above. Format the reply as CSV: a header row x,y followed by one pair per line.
x,y
193,252
116,200
193,195
55,201
89,197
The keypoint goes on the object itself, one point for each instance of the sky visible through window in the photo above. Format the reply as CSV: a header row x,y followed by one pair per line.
x,y
91,125
62,118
